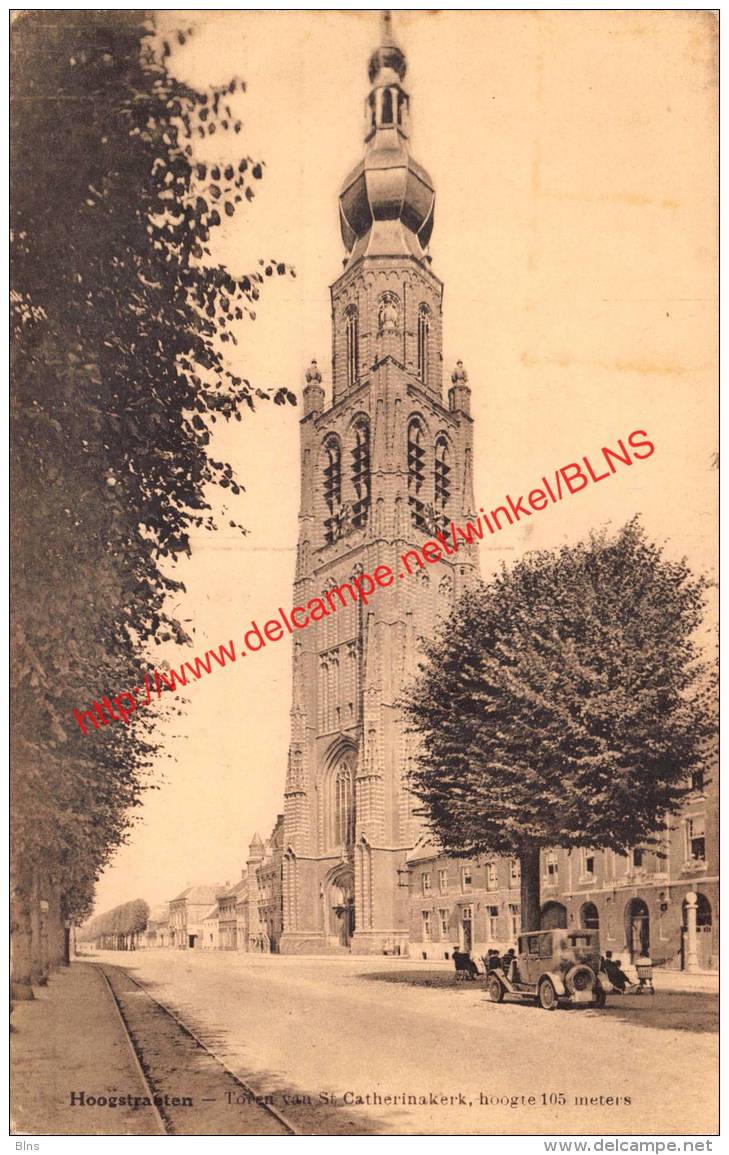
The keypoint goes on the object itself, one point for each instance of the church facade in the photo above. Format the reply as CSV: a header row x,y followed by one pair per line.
x,y
386,463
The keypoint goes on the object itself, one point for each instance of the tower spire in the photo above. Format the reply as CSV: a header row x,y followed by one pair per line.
x,y
386,204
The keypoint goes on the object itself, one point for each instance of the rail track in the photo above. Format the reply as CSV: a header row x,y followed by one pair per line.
x,y
191,1090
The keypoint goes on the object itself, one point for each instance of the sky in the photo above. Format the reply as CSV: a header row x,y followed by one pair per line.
x,y
574,161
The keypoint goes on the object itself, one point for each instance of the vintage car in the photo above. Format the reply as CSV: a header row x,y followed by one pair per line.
x,y
553,966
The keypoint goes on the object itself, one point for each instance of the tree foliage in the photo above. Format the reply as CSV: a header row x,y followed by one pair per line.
x,y
565,703
123,327
127,919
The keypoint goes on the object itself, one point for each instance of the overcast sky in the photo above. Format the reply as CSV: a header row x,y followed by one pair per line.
x,y
573,157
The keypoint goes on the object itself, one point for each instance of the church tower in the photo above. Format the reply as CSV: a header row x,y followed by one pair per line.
x,y
385,465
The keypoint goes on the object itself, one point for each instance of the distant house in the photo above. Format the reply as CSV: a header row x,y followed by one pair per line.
x,y
210,933
228,915
187,912
158,927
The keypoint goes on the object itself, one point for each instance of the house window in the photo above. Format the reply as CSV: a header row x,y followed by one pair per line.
x,y
467,879
697,781
423,342
361,473
444,920
552,868
638,859
696,839
492,876
426,926
416,473
514,871
426,882
589,866
513,920
351,330
443,881
492,916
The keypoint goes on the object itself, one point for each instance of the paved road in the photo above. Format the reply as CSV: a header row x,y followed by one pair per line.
x,y
328,1039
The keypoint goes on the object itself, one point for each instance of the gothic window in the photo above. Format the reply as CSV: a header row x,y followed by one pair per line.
x,y
343,808
423,343
371,103
361,473
387,117
332,479
442,480
416,473
351,329
402,106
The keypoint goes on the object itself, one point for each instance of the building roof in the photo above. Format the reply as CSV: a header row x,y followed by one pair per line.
x,y
212,913
198,895
234,891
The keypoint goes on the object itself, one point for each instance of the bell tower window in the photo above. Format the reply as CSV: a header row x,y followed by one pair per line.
x,y
442,479
351,328
332,479
423,343
361,473
416,473
387,117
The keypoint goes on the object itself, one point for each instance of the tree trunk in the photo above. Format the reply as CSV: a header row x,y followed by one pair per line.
x,y
21,954
531,916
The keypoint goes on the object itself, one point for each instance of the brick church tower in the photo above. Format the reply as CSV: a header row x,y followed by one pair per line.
x,y
385,464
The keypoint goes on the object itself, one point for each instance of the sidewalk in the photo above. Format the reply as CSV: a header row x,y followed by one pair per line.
x,y
69,1038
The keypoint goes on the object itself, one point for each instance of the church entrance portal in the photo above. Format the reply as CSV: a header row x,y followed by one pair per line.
x,y
341,908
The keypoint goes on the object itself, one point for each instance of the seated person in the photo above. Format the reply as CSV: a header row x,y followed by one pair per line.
x,y
615,972
492,960
507,960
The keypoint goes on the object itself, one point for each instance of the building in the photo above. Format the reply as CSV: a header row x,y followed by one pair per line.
x,y
228,914
661,901
269,892
386,464
210,929
187,912
158,927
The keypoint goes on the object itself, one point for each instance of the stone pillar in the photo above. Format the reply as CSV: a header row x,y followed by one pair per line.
x,y
691,954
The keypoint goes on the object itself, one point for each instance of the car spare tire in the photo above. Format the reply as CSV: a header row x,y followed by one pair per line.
x,y
579,978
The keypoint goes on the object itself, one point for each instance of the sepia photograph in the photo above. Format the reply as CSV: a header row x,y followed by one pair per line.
x,y
364,453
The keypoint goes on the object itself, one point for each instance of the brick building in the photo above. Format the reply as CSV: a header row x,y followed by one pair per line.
x,y
662,901
386,463
187,912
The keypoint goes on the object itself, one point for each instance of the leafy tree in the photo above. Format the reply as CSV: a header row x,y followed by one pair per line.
x,y
564,704
123,330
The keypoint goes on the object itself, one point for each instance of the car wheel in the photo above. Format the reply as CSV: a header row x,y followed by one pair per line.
x,y
547,996
600,997
494,989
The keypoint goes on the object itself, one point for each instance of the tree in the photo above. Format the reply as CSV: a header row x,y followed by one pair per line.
x,y
564,704
122,330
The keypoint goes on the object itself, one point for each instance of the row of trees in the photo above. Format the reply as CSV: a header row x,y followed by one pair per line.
x,y
566,703
122,325
118,928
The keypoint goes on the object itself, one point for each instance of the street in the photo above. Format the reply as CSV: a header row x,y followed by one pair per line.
x,y
393,1046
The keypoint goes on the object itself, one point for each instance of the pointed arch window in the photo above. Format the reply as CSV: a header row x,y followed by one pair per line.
x,y
343,806
351,331
424,322
442,492
416,473
361,473
332,485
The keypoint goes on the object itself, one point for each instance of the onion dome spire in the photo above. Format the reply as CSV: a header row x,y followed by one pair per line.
x,y
387,202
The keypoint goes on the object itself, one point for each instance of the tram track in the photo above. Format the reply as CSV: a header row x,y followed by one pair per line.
x,y
190,1089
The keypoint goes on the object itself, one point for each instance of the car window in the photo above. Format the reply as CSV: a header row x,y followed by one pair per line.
x,y
533,944
545,946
